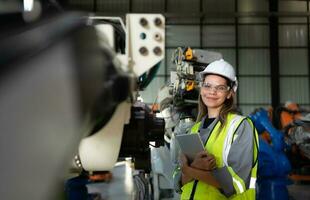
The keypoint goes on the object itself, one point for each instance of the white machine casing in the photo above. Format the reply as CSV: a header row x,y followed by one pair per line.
x,y
99,152
154,38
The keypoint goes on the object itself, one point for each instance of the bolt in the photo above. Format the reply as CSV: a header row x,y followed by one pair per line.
x,y
157,51
143,51
143,22
157,21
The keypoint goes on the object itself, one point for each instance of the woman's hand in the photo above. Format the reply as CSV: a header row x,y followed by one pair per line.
x,y
184,168
204,161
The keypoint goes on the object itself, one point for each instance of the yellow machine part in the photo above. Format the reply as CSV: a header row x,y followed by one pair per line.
x,y
190,85
189,54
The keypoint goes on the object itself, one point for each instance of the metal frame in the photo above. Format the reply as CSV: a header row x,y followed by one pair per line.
x,y
308,36
274,54
237,45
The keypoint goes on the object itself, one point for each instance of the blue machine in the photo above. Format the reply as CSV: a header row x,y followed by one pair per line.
x,y
273,165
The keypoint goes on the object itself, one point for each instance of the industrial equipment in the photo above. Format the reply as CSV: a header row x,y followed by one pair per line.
x,y
64,77
298,138
137,65
294,122
273,164
128,131
52,75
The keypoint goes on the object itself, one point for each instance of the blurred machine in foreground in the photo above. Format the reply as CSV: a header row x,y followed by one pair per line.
x,y
128,131
66,77
52,74
140,49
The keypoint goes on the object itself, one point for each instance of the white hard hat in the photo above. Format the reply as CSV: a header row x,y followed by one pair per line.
x,y
222,68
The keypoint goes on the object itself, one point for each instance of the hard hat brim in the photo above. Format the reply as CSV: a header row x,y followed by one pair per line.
x,y
204,73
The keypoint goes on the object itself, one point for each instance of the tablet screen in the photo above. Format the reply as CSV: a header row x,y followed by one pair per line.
x,y
190,145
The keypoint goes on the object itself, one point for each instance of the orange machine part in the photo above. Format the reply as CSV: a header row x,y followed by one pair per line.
x,y
189,54
288,117
106,176
190,85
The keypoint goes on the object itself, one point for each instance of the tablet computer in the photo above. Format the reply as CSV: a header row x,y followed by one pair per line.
x,y
190,145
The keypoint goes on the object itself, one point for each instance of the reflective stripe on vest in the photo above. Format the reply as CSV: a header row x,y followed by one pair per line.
x,y
255,157
238,183
235,122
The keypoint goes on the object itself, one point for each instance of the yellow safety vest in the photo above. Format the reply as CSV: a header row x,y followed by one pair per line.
x,y
219,145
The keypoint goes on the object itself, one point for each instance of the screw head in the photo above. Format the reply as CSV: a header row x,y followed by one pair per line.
x,y
157,51
158,21
143,51
143,22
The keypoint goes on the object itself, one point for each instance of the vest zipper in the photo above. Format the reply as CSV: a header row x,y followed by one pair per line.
x,y
193,190
196,181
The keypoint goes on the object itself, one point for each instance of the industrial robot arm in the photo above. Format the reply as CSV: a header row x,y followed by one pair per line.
x,y
273,165
263,123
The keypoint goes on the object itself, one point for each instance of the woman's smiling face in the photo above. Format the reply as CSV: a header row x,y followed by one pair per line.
x,y
215,91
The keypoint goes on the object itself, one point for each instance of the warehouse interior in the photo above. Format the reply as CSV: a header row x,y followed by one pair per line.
x,y
273,33
266,41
